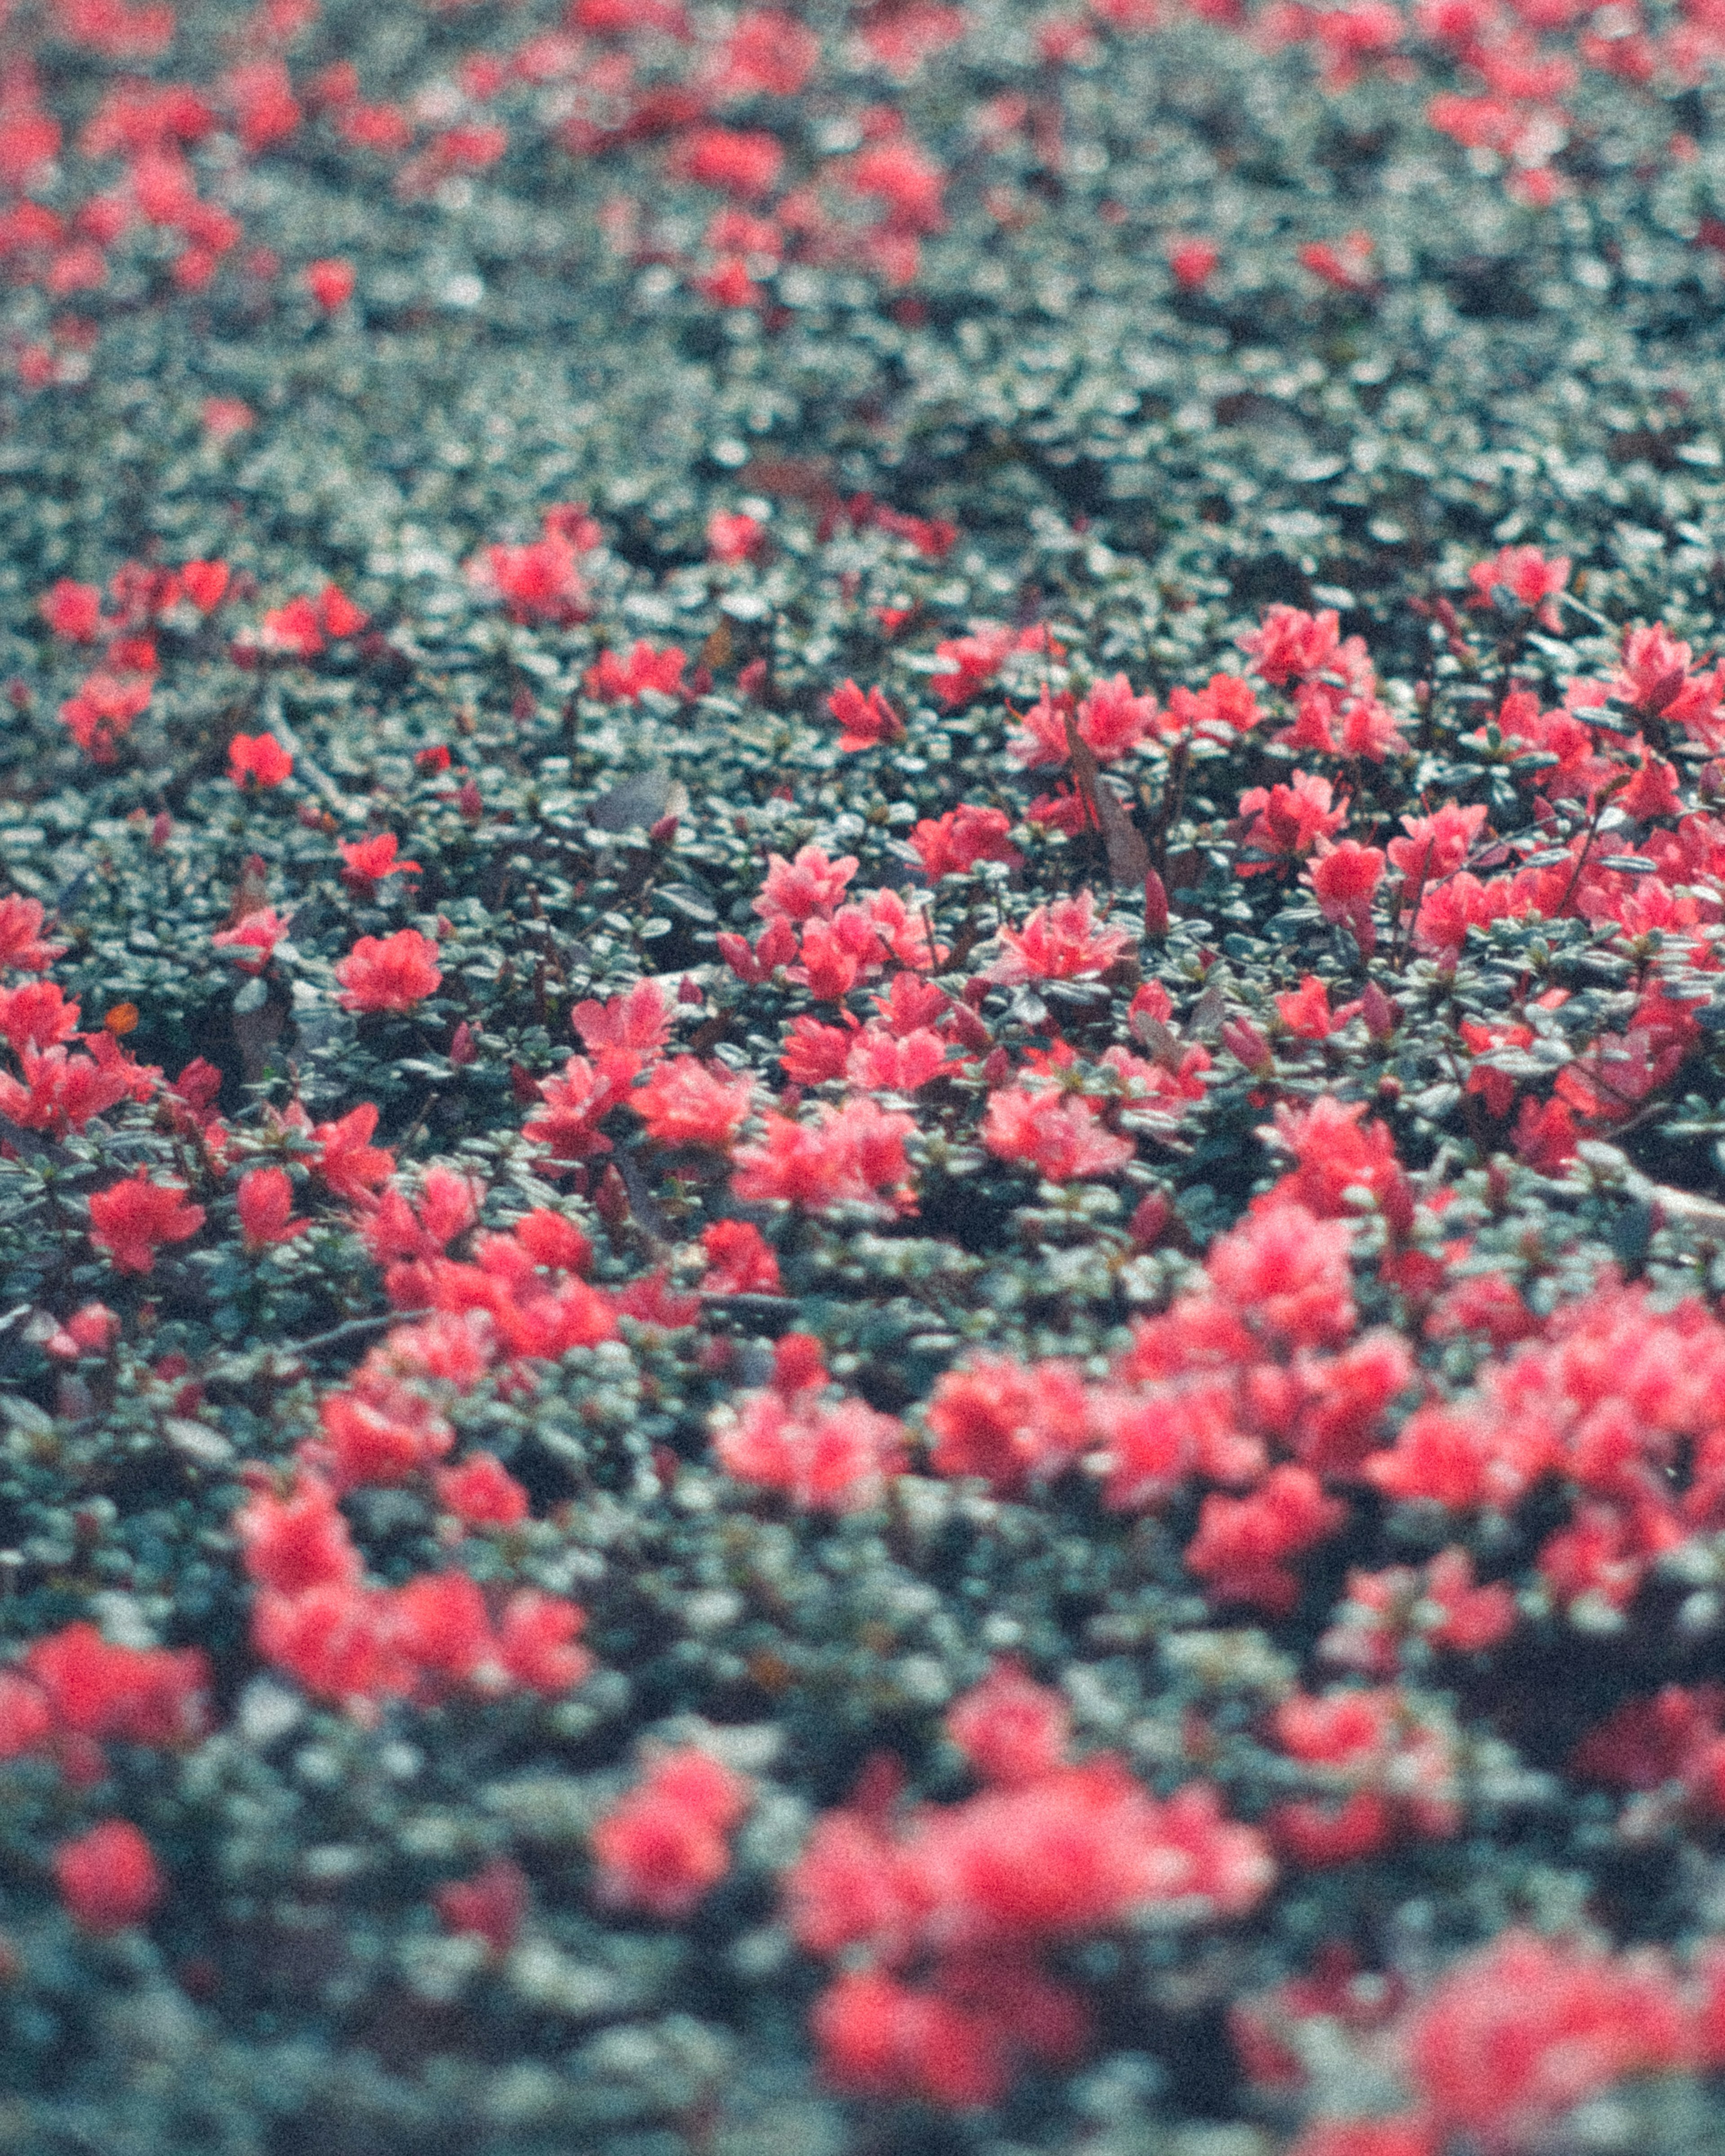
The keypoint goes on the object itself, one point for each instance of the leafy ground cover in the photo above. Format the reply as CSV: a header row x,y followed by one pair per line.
x,y
863,878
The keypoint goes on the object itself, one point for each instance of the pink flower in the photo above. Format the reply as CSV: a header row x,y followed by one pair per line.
x,y
831,1456
1527,577
733,537
389,972
1061,942
613,679
849,1155
1061,1139
952,844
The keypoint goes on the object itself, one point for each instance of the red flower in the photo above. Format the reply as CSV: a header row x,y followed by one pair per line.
x,y
849,1155
206,583
687,1102
101,715
953,844
21,945
389,972
1010,1424
350,1165
613,677
266,1203
330,283
1287,820
733,537
1523,574
73,611
253,939
825,1455
1343,880
481,1492
132,1220
36,1015
108,1878
1061,1139
741,161
867,721
1521,2031
489,1905
259,759
368,862
541,582
1194,262
740,1261
664,1846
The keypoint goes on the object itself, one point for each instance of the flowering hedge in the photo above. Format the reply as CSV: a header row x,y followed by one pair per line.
x,y
861,886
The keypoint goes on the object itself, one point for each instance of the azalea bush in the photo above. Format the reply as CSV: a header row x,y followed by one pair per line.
x,y
861,888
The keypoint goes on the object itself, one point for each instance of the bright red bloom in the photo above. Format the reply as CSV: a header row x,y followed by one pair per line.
x,y
952,844
1010,1424
1243,1545
266,1203
252,939
807,888
1521,2031
740,1261
867,721
612,678
741,161
132,1220
1012,1730
206,583
541,582
481,1492
100,716
349,1163
21,945
108,1878
296,1542
259,760
1194,262
849,1155
1062,1139
368,862
389,972
36,1015
731,535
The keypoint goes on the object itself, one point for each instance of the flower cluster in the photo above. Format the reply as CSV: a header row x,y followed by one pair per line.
x,y
946,1912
